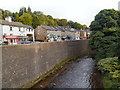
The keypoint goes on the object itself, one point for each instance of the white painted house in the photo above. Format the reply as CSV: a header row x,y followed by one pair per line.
x,y
15,32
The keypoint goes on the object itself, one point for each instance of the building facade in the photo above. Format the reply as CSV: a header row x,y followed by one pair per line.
x,y
40,33
43,33
14,32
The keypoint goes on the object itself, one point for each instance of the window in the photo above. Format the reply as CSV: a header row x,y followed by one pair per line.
x,y
10,28
24,29
19,28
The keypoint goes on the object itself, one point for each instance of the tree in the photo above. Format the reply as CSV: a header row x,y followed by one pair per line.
x,y
38,18
38,12
7,13
16,17
49,16
36,21
75,25
84,27
29,10
1,16
70,24
105,18
106,34
62,22
22,10
26,19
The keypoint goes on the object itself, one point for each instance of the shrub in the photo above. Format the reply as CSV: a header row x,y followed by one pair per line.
x,y
111,69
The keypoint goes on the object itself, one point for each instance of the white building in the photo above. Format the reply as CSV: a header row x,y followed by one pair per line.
x,y
14,32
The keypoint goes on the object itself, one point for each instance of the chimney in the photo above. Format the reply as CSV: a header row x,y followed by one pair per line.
x,y
9,19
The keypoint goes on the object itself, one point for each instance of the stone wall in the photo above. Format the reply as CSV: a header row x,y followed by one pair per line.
x,y
23,64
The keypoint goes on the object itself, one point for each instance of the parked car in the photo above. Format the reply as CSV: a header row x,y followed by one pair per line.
x,y
27,42
3,43
36,42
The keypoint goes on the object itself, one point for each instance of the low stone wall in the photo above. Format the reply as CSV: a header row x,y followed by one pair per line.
x,y
22,65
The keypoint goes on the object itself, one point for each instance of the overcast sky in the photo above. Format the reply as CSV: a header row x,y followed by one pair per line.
x,y
82,11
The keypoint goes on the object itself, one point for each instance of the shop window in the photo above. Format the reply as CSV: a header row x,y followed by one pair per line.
x,y
5,34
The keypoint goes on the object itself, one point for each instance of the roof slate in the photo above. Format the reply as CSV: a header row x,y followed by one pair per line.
x,y
4,22
60,28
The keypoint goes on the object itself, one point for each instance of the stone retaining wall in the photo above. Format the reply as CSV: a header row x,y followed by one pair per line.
x,y
23,64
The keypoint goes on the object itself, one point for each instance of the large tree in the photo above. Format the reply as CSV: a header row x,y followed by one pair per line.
x,y
105,18
106,33
26,19
62,22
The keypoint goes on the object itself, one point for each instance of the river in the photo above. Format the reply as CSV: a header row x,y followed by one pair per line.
x,y
82,73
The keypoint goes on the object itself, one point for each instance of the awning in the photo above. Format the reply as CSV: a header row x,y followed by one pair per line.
x,y
69,36
63,37
21,37
11,37
52,35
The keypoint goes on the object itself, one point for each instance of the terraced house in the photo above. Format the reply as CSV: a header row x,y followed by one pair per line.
x,y
15,32
42,33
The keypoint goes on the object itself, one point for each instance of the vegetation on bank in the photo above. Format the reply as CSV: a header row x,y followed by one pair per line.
x,y
105,45
111,69
36,18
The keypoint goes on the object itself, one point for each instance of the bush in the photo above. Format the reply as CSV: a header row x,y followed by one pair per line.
x,y
111,69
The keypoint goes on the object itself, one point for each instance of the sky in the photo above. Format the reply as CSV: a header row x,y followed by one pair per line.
x,y
81,11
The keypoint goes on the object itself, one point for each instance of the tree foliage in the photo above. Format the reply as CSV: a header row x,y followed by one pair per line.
x,y
26,19
105,45
106,33
38,18
111,68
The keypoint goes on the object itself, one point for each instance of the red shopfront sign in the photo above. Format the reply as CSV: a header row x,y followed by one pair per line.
x,y
85,37
11,37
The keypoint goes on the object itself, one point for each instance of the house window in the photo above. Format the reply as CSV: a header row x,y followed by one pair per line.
x,y
19,28
10,28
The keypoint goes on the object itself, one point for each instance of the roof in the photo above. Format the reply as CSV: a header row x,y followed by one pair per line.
x,y
47,27
4,22
60,28
29,27
51,28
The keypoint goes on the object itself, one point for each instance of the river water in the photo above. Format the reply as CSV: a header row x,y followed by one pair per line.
x,y
82,73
